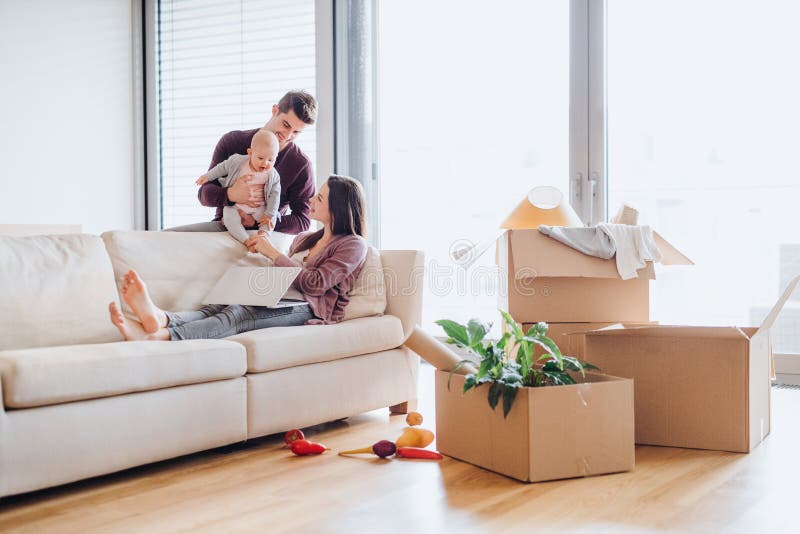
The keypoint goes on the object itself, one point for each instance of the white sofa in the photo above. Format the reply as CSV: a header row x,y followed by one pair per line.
x,y
78,402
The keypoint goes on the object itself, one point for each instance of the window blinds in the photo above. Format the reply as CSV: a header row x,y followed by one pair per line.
x,y
221,66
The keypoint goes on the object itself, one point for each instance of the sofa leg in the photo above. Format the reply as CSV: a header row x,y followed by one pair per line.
x,y
404,407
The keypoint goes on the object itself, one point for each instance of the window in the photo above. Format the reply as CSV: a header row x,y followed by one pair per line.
x,y
221,67
702,138
474,112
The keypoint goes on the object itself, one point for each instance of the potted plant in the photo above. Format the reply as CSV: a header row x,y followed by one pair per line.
x,y
582,425
508,363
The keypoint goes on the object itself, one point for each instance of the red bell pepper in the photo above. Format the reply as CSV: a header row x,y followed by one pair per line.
x,y
417,452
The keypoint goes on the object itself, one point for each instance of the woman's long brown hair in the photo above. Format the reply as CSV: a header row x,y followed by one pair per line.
x,y
347,206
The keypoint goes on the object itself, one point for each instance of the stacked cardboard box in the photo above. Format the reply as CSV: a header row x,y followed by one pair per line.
x,y
701,387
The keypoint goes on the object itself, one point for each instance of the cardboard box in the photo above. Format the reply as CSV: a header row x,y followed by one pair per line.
x,y
570,337
696,387
550,433
545,280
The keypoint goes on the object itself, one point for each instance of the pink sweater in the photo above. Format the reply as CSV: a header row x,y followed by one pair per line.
x,y
328,275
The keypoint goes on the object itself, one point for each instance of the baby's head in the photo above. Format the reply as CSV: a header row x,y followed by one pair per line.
x,y
263,151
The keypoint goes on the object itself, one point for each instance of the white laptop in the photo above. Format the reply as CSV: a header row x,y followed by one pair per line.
x,y
253,286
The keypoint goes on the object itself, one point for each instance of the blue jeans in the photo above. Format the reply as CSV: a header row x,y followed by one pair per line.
x,y
215,321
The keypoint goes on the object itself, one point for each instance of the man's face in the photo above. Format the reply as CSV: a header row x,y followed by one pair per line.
x,y
286,126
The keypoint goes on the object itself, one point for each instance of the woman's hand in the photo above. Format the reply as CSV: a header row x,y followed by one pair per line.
x,y
260,243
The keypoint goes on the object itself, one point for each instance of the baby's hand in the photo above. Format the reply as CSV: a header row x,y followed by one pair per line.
x,y
203,179
247,219
266,221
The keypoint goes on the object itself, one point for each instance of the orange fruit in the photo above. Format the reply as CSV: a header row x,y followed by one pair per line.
x,y
414,418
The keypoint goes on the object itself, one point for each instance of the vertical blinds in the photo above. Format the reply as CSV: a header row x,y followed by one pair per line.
x,y
221,66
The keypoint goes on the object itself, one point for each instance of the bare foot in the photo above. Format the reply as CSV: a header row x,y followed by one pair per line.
x,y
130,330
135,294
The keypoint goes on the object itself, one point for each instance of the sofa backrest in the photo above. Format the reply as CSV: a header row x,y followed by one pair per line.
x,y
55,290
179,268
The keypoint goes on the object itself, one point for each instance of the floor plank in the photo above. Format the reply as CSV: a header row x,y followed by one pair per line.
x,y
260,486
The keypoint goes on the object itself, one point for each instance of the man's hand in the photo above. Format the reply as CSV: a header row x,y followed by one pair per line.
x,y
203,179
247,219
266,222
243,192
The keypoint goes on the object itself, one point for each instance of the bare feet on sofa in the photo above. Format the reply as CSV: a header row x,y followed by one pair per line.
x,y
131,330
135,294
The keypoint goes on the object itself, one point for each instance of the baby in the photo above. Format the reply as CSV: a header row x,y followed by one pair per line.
x,y
259,162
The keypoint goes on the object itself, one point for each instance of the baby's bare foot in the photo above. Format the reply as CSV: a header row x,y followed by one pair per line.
x,y
130,330
135,294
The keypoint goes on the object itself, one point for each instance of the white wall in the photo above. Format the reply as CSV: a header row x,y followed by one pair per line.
x,y
66,113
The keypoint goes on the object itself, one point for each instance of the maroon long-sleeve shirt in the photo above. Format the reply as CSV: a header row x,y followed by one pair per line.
x,y
297,181
328,276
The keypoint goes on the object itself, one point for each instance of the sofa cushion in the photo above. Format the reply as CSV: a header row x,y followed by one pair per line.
x,y
54,375
55,291
180,268
368,294
278,348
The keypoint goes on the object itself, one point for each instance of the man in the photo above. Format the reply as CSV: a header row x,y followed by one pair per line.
x,y
290,116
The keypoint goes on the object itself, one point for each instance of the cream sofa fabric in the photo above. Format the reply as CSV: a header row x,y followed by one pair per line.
x,y
368,294
180,268
55,290
276,348
305,395
52,445
404,275
95,407
53,375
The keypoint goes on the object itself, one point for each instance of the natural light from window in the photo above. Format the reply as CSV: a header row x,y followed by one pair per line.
x,y
702,138
474,112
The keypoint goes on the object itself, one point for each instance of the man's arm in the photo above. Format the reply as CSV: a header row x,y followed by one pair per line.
x,y
299,195
215,195
211,193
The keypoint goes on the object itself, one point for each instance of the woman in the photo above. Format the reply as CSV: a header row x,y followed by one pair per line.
x,y
331,259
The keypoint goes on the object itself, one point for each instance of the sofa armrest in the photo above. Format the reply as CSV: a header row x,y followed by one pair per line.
x,y
2,402
404,275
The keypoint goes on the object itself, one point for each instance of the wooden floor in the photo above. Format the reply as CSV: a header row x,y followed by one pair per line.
x,y
261,487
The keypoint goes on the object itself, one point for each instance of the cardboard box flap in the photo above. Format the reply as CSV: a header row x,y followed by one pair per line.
x,y
669,254
534,254
776,309
717,332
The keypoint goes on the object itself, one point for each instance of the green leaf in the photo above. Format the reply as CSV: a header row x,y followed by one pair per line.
x,y
516,331
588,366
494,394
486,365
501,343
476,331
469,383
549,345
455,331
573,364
537,329
454,369
509,394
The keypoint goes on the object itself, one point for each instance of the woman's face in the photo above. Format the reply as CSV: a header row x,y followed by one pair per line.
x,y
319,205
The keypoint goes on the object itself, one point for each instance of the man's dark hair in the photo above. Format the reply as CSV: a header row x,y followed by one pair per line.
x,y
302,103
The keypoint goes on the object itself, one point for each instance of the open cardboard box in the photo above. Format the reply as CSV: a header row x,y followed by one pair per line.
x,y
550,433
703,387
570,338
545,280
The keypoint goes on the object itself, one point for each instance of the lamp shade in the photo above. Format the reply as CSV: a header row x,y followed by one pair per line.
x,y
543,205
